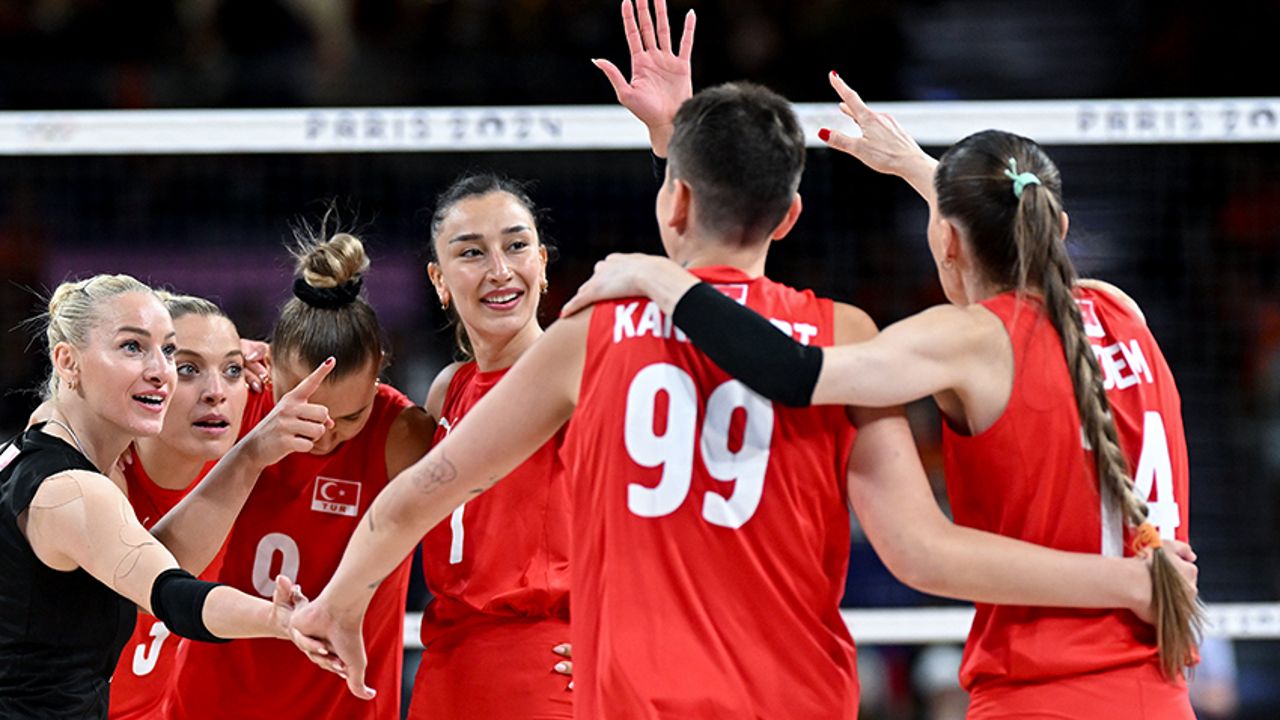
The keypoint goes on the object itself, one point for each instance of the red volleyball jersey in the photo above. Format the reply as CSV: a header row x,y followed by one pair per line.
x,y
711,527
499,571
505,553
1029,476
144,675
297,521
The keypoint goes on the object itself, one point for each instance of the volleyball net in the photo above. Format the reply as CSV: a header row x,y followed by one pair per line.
x,y
1173,199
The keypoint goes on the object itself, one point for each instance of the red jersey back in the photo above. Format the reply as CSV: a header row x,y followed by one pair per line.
x,y
505,553
1029,476
297,521
144,675
711,527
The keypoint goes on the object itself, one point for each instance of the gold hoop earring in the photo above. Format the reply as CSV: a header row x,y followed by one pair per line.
x,y
545,285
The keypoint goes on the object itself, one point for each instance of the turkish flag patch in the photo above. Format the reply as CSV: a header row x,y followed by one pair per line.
x,y
338,497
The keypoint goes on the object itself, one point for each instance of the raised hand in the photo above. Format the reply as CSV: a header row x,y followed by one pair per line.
x,y
294,424
315,625
884,146
660,79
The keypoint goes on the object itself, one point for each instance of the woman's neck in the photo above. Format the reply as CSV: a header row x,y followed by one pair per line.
x,y
91,434
166,467
498,353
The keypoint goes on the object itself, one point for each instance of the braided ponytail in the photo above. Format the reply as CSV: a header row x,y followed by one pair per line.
x,y
1017,234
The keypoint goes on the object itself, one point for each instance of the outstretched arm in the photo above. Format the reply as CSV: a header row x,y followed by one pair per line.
x,y
81,519
943,348
197,526
660,80
508,425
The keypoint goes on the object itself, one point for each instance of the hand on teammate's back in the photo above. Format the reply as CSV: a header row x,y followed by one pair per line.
x,y
660,80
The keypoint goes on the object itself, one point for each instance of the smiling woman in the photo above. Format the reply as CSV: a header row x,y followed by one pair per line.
x,y
498,569
75,559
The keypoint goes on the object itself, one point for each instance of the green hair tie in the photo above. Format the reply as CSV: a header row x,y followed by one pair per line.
x,y
1020,180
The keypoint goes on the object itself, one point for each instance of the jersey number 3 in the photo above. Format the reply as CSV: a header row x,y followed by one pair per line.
x,y
669,443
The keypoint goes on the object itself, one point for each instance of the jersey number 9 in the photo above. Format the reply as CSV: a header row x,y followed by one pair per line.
x,y
674,448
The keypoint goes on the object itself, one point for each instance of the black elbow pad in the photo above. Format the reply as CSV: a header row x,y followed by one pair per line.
x,y
177,600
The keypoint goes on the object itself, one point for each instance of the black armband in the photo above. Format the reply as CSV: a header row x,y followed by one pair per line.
x,y
659,167
749,347
177,600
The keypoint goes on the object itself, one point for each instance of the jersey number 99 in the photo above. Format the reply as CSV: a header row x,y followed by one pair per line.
x,y
674,449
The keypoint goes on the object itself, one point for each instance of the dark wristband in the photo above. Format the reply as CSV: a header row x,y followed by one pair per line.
x,y
177,600
659,167
748,347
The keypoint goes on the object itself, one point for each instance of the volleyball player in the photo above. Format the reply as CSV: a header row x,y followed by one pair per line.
x,y
303,508
710,525
77,563
1053,390
201,425
499,567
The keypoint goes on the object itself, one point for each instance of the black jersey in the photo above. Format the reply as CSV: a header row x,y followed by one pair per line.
x,y
60,632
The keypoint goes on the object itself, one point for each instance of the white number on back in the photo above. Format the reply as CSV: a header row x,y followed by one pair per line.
x,y
144,657
673,449
1156,468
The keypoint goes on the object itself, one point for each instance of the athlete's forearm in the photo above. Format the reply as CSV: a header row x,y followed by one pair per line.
x,y
196,527
229,614
919,175
416,501
920,546
982,567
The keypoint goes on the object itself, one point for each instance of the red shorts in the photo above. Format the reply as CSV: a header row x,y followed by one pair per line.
x,y
498,669
1138,692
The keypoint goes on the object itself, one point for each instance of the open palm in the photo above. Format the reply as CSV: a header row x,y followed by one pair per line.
x,y
660,79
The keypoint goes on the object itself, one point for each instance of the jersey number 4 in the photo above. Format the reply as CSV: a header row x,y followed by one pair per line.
x,y
670,444
1154,471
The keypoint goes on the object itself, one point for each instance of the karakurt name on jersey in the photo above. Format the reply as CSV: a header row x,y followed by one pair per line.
x,y
650,320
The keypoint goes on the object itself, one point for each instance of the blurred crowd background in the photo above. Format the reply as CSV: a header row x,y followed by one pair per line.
x,y
1191,231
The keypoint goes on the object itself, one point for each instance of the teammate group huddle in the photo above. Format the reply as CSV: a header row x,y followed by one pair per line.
x,y
664,451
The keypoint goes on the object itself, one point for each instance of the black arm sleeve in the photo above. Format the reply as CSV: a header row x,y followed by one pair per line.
x,y
177,600
749,347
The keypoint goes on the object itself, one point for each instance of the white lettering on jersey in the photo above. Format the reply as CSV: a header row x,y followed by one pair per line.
x,y
653,323
1123,365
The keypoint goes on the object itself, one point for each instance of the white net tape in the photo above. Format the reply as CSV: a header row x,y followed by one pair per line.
x,y
921,626
606,127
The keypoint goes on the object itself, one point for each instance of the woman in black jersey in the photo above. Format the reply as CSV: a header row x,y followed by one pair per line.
x,y
76,562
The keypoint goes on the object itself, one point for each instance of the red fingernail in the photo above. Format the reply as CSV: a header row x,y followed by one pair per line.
x,y
835,74
824,134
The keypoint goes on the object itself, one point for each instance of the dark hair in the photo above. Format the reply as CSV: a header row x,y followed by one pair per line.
x,y
351,332
469,186
1017,240
740,148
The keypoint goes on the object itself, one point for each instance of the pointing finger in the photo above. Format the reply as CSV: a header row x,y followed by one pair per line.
x,y
305,389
